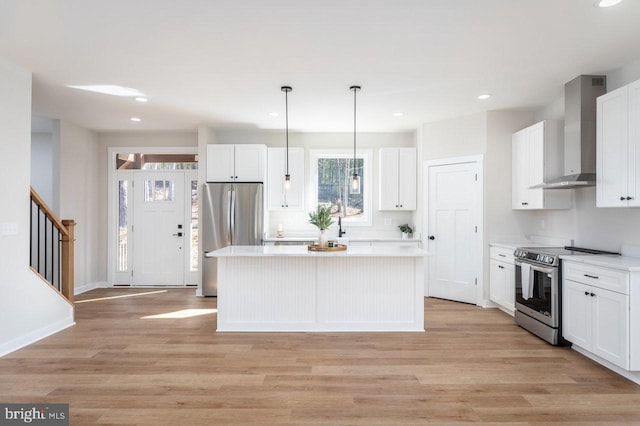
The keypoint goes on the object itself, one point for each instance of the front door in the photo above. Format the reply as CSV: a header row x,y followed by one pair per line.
x,y
453,231
159,229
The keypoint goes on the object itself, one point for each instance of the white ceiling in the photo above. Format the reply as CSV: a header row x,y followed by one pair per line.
x,y
222,62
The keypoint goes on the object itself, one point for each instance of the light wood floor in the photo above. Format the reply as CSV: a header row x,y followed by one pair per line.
x,y
472,365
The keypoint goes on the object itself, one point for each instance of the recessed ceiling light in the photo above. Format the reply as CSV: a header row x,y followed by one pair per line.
x,y
398,114
273,114
142,99
484,96
110,89
136,119
607,3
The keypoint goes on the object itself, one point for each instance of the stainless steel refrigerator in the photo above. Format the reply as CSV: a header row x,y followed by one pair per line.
x,y
232,214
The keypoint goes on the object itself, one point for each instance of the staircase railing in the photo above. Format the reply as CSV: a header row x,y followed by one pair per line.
x,y
51,252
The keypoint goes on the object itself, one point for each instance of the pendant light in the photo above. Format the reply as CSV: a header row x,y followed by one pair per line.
x,y
355,179
287,177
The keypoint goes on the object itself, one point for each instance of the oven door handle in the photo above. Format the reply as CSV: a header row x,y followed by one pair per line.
x,y
537,268
544,270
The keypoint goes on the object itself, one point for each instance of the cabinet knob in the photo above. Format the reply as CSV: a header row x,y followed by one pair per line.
x,y
230,177
629,198
586,293
593,294
236,177
400,205
622,198
396,205
431,237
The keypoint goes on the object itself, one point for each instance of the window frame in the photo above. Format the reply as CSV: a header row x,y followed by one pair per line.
x,y
366,180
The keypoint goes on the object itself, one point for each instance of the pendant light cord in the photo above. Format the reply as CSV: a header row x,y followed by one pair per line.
x,y
286,90
355,89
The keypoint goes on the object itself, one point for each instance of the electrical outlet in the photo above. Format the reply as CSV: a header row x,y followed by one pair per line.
x,y
10,228
388,222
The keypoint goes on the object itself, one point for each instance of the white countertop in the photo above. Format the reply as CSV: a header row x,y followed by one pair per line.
x,y
625,263
302,251
354,239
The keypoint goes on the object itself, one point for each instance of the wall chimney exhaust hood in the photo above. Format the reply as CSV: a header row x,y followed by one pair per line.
x,y
579,133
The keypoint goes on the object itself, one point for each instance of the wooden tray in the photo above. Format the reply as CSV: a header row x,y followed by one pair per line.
x,y
337,247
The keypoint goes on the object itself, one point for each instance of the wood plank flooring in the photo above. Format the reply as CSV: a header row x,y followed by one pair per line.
x,y
116,367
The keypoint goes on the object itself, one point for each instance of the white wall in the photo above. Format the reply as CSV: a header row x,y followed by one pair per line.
x,y
296,223
487,134
589,226
29,308
79,198
42,166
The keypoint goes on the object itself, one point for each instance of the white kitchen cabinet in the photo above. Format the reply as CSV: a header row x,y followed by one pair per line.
x,y
277,197
537,153
502,278
398,177
594,317
618,148
236,163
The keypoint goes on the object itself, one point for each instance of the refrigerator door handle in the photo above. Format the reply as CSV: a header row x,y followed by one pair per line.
x,y
232,214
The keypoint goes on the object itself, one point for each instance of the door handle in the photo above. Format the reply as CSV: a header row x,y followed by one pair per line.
x,y
179,234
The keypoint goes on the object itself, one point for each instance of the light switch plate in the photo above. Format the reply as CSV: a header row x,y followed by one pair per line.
x,y
9,228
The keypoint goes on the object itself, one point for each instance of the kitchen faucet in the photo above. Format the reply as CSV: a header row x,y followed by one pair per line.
x,y
340,231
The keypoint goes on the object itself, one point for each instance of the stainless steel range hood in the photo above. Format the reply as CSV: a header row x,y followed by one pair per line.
x,y
579,132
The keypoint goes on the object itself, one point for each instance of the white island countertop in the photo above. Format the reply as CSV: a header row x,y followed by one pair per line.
x,y
302,251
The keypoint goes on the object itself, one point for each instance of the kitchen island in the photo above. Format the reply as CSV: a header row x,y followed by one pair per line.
x,y
288,288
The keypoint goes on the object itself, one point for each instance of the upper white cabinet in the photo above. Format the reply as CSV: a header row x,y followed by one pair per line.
x,y
397,178
236,163
618,148
537,155
277,197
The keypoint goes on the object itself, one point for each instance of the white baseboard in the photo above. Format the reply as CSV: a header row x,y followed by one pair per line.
x,y
34,336
89,286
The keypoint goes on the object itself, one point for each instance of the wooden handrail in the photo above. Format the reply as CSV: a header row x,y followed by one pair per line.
x,y
66,242
48,212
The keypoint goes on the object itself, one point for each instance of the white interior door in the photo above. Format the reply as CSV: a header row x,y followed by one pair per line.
x,y
159,232
454,230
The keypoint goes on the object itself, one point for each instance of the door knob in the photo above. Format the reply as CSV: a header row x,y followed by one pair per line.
x,y
431,237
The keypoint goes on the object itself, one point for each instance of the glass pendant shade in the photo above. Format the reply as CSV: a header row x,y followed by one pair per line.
x,y
355,184
287,182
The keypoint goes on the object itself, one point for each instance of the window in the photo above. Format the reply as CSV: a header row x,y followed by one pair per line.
x,y
131,161
158,190
332,172
193,208
123,226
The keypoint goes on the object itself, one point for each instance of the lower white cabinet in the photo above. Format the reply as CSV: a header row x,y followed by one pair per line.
x,y
502,279
594,317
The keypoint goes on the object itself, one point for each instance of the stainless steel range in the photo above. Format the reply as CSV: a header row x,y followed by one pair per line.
x,y
538,289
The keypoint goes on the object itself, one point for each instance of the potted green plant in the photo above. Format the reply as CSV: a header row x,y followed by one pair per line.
x,y
323,220
406,230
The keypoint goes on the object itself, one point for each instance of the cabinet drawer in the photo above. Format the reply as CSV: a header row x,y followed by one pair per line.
x,y
502,254
607,279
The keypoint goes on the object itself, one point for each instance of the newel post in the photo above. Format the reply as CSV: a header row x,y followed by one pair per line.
x,y
67,287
